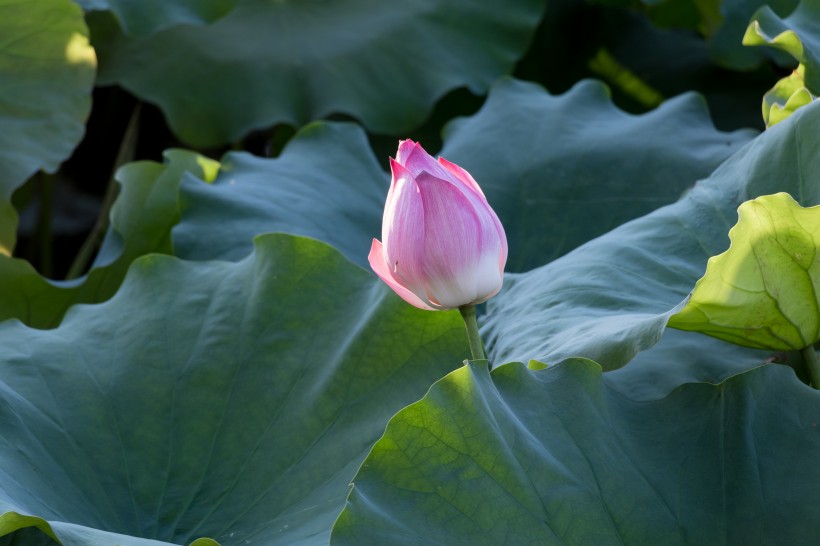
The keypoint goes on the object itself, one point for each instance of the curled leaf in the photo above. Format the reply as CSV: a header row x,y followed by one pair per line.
x,y
796,36
788,94
764,291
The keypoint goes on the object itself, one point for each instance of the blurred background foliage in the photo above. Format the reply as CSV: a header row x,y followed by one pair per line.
x,y
228,122
246,75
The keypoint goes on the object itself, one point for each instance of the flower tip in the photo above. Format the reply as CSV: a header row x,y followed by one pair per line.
x,y
406,147
398,170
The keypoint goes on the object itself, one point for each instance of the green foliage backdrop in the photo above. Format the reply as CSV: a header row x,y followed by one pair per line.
x,y
213,362
557,457
47,70
270,62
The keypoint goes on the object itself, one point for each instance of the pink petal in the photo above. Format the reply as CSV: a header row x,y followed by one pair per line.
x,y
464,251
462,175
442,244
406,147
398,172
379,265
417,161
468,180
403,231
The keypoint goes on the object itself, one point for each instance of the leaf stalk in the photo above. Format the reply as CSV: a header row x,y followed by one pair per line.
x,y
812,365
92,243
473,337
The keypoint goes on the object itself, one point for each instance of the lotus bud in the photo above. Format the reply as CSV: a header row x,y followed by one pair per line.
x,y
442,245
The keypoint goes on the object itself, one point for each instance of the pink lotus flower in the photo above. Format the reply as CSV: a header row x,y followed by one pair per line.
x,y
442,245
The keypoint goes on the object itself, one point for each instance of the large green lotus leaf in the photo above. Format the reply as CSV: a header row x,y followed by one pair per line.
x,y
561,170
558,457
326,185
558,170
212,399
141,222
764,291
143,17
47,70
797,35
610,299
267,62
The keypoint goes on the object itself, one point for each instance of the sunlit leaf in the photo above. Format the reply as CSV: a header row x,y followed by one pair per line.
x,y
796,34
726,45
558,457
788,94
47,71
226,400
720,25
764,291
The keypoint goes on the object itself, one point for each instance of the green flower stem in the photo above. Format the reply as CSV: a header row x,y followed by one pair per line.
x,y
92,243
812,365
44,223
476,347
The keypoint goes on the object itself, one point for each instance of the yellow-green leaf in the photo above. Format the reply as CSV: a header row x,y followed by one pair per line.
x,y
47,70
796,36
788,94
763,291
